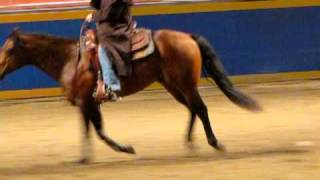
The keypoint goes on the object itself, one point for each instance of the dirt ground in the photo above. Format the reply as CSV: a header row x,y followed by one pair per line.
x,y
40,138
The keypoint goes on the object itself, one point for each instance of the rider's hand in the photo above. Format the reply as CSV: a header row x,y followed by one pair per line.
x,y
100,91
89,17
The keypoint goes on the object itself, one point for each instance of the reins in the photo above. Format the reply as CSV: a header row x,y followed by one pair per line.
x,y
80,43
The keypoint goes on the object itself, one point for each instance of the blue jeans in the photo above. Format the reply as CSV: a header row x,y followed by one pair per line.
x,y
109,77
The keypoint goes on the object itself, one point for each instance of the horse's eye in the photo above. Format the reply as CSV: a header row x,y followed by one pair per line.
x,y
8,46
10,50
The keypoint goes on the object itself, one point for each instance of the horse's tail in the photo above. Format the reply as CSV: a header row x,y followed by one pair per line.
x,y
211,64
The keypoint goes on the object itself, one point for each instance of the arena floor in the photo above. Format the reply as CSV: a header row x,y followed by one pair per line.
x,y
40,138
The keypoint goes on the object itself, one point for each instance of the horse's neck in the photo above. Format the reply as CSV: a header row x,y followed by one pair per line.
x,y
55,62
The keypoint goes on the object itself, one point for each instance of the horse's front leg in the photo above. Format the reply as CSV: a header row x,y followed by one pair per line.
x,y
86,145
94,112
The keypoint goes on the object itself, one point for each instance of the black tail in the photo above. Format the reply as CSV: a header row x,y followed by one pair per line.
x,y
212,65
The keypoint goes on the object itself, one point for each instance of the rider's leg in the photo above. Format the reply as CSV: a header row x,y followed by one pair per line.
x,y
110,78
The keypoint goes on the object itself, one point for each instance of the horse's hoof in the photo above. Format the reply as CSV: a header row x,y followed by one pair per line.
x,y
220,147
127,149
83,161
191,146
130,150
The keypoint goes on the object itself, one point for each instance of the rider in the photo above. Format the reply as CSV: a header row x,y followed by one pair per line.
x,y
114,30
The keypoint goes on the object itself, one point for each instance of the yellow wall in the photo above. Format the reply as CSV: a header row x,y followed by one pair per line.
x,y
47,92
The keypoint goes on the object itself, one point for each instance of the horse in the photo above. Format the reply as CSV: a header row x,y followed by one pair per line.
x,y
177,63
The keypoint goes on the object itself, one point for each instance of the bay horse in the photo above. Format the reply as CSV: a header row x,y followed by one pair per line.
x,y
177,64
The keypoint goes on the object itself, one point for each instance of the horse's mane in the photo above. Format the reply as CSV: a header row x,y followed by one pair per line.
x,y
47,37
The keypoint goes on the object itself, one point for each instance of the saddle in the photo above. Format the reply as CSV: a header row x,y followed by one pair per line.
x,y
142,44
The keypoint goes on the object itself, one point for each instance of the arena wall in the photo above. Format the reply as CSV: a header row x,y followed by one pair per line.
x,y
255,40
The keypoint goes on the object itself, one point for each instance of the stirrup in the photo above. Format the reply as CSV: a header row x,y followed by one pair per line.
x,y
111,96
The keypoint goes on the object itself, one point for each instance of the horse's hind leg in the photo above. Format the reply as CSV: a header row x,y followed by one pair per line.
x,y
190,126
179,96
200,109
96,119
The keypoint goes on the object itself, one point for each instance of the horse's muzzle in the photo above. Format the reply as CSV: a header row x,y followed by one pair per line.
x,y
2,74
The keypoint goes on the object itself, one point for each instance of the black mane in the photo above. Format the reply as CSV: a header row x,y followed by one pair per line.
x,y
50,38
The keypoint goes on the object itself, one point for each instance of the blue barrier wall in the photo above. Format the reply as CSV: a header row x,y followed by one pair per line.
x,y
248,42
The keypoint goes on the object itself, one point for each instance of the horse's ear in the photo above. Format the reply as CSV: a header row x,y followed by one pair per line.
x,y
15,36
15,32
16,29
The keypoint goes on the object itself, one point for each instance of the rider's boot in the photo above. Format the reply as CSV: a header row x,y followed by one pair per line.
x,y
112,95
103,94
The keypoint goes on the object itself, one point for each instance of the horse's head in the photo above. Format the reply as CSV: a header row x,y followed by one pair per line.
x,y
11,53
